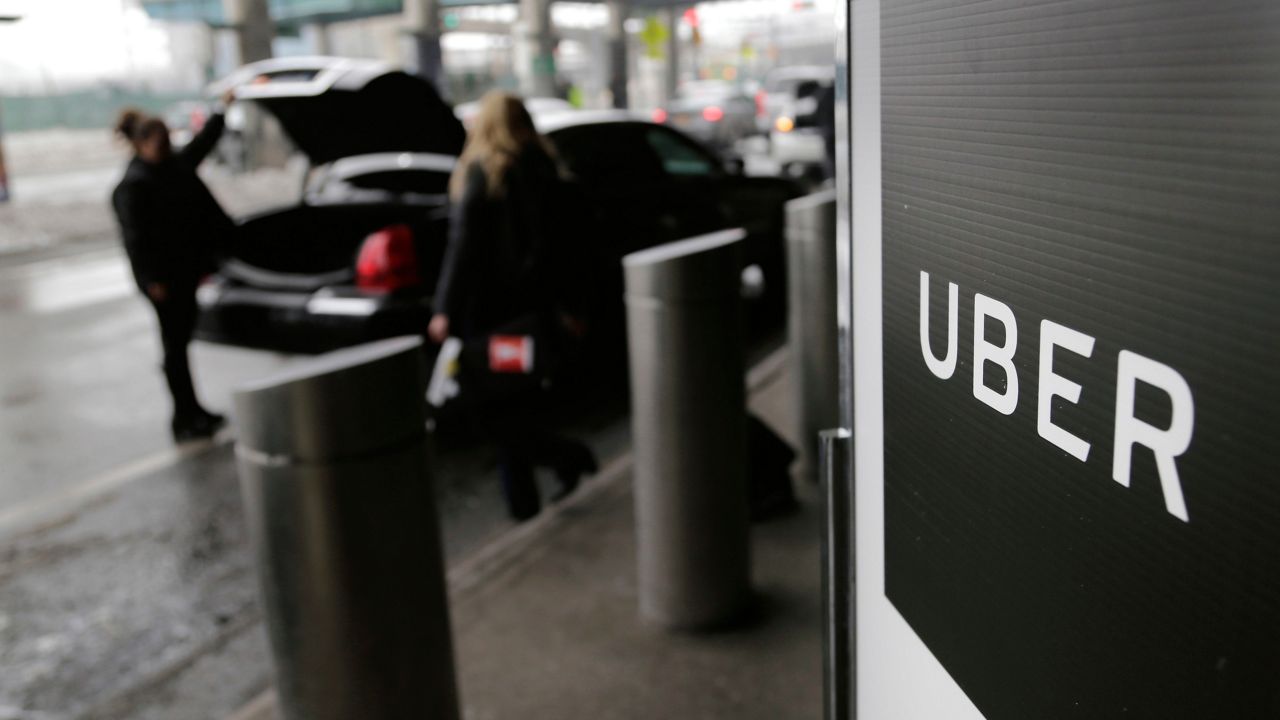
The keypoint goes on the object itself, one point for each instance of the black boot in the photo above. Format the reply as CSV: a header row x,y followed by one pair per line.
x,y
186,429
214,421
578,460
519,489
196,425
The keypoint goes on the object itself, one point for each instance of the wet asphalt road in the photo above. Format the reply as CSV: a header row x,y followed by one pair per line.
x,y
126,589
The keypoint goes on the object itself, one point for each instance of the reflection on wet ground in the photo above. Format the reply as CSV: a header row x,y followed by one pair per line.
x,y
126,589
123,588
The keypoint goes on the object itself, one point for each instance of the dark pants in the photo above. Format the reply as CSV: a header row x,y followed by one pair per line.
x,y
516,424
177,315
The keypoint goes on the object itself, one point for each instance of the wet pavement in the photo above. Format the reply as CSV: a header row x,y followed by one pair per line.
x,y
126,589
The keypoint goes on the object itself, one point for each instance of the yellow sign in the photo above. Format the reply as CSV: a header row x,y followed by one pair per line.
x,y
654,35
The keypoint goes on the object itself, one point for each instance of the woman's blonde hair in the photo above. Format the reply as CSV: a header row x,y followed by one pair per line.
x,y
501,131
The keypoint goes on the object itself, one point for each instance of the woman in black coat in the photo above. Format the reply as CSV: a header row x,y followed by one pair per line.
x,y
172,227
504,274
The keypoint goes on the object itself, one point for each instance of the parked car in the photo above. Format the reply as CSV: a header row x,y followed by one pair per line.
x,y
358,258
789,102
645,184
355,259
716,113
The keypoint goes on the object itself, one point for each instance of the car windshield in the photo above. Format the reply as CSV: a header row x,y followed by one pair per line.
x,y
630,154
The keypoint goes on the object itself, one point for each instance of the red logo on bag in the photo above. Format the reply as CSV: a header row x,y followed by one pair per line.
x,y
511,354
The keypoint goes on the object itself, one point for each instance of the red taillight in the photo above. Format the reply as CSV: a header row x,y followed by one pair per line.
x,y
387,260
712,114
760,103
659,115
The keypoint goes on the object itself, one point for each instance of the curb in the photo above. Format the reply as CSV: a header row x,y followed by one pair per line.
x,y
507,550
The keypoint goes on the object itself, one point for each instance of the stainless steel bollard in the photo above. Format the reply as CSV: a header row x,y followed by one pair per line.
x,y
342,519
689,418
839,655
811,326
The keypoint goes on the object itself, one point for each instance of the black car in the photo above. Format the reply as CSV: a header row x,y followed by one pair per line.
x,y
355,259
358,259
645,184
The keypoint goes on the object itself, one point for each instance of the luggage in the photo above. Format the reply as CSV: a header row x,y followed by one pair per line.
x,y
768,472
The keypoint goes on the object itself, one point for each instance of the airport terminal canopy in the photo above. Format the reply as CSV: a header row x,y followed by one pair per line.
x,y
294,12
282,11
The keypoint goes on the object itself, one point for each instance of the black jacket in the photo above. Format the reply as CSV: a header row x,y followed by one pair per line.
x,y
504,261
171,224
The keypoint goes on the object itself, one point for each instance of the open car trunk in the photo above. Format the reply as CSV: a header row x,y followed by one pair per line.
x,y
304,248
334,108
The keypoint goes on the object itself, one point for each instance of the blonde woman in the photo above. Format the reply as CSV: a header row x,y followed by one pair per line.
x,y
503,279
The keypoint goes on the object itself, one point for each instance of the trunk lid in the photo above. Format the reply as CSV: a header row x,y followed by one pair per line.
x,y
334,108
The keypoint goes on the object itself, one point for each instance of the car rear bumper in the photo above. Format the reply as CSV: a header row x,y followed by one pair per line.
x,y
304,322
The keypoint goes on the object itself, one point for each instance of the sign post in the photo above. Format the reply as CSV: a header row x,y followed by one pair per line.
x,y
1061,234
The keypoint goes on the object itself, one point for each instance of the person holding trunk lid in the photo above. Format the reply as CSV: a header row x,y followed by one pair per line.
x,y
172,228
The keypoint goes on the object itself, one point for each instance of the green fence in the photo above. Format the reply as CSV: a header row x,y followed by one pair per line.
x,y
84,109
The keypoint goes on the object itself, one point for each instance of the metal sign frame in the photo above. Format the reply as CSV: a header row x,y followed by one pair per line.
x,y
893,673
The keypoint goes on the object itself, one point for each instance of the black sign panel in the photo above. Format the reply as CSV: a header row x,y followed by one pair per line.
x,y
1082,496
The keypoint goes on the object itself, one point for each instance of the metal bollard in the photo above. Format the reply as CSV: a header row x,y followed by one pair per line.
x,y
689,418
839,655
342,519
811,325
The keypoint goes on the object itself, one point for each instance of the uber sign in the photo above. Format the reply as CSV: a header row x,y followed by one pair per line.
x,y
1081,317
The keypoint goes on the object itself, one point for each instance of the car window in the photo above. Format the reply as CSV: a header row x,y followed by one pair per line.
x,y
608,155
416,181
678,156
808,89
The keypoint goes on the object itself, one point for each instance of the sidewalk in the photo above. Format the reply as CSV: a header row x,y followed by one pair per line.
x,y
546,625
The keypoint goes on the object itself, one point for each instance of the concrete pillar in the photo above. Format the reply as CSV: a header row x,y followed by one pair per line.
x,y
618,59
209,36
422,29
671,73
535,49
316,36
254,29
4,176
